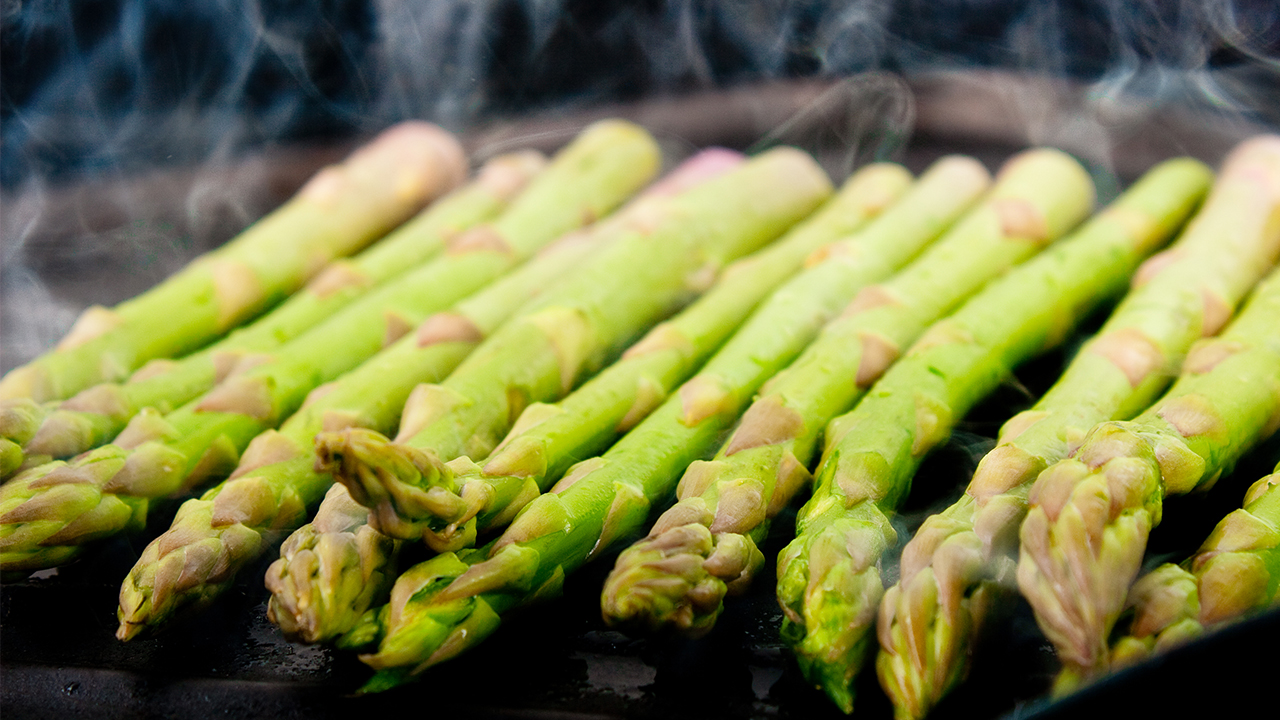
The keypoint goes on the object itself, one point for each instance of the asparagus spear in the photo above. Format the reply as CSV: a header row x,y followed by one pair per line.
x,y
156,456
340,210
541,355
828,578
190,565
95,416
546,439
1234,574
1089,517
660,582
963,557
319,586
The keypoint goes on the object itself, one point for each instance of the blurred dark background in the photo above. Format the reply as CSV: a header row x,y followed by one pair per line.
x,y
106,86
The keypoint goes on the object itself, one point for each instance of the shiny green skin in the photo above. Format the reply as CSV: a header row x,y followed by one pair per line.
x,y
455,600
99,414
576,327
327,572
770,450
547,439
342,209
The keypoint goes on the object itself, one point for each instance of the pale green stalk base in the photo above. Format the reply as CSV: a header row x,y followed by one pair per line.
x,y
340,210
97,415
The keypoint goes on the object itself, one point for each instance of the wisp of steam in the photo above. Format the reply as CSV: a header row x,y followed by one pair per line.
x,y
134,132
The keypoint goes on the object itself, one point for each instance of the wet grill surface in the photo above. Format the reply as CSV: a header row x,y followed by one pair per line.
x,y
59,658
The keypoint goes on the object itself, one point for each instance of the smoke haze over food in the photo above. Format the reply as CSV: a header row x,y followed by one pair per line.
x,y
116,85
137,133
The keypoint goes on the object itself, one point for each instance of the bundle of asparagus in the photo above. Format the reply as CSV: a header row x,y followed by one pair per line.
x,y
677,576
340,210
1090,516
591,310
48,431
576,327
546,439
196,560
963,558
51,510
1235,573
829,581
496,364
453,601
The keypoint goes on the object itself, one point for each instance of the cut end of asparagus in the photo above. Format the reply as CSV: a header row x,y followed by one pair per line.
x,y
414,161
506,175
409,491
705,164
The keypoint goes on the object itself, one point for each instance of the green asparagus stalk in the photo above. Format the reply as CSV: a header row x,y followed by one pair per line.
x,y
661,583
1234,574
95,416
829,581
453,601
323,581
575,327
546,439
157,456
1086,530
963,558
212,538
340,210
